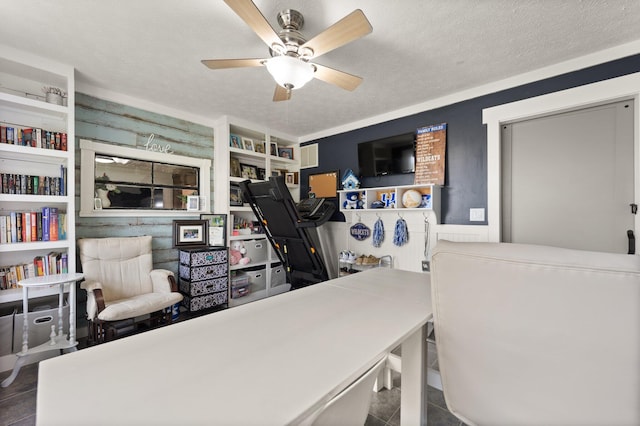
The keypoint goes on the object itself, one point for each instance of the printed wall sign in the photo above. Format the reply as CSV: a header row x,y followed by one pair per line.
x,y
431,145
360,231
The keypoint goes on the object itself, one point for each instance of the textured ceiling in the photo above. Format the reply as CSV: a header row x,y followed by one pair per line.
x,y
419,50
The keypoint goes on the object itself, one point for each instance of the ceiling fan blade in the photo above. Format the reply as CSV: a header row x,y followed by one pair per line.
x,y
348,29
281,94
339,78
217,64
250,14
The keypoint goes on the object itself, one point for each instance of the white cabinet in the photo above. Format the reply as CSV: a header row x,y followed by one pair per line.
x,y
39,174
396,198
244,151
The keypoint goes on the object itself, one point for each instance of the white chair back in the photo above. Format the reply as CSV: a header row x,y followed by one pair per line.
x,y
351,406
122,263
537,335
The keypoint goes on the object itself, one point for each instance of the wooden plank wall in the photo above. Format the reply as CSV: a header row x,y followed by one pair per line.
x,y
113,123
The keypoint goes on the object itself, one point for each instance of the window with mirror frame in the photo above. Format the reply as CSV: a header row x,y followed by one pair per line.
x,y
172,199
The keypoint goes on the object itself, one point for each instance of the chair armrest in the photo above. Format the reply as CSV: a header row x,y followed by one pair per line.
x,y
95,299
163,281
90,285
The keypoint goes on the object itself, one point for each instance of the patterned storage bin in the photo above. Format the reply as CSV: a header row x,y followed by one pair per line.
x,y
207,301
204,280
202,257
198,288
203,272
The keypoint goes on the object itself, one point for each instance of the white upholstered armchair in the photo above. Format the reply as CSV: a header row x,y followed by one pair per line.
x,y
534,335
121,284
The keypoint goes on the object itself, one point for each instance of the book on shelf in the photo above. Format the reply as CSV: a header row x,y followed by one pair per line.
x,y
33,137
14,227
27,137
26,226
19,235
46,223
62,226
53,223
34,185
3,230
52,263
34,226
49,224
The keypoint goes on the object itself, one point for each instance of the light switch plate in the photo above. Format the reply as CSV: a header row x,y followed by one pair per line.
x,y
476,215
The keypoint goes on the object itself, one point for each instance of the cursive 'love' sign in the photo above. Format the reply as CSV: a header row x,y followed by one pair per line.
x,y
154,147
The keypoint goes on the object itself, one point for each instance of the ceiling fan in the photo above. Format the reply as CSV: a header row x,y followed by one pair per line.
x,y
291,54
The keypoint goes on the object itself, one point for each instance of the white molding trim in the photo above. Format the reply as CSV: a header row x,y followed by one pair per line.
x,y
607,91
600,57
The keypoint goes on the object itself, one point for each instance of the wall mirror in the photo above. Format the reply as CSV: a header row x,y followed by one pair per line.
x,y
123,181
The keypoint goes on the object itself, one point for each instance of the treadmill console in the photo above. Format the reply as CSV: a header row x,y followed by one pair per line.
x,y
310,207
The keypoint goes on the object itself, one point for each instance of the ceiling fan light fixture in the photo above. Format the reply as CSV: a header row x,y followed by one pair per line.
x,y
290,72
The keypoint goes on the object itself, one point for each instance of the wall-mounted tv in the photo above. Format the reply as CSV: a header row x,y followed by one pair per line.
x,y
387,156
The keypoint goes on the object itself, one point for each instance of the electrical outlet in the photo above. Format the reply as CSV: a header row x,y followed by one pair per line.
x,y
476,215
426,266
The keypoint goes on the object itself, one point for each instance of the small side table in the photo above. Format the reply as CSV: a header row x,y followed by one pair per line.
x,y
59,340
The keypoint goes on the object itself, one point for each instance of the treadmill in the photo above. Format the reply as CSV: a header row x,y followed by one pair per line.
x,y
291,229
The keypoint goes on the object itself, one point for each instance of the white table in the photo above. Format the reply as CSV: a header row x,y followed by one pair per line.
x,y
270,362
59,340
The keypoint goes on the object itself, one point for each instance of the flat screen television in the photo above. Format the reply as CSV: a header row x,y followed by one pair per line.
x,y
387,156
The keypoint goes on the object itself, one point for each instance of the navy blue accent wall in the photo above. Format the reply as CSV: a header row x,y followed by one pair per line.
x,y
466,159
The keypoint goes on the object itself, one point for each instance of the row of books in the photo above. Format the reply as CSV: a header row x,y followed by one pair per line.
x,y
13,183
36,138
52,263
21,227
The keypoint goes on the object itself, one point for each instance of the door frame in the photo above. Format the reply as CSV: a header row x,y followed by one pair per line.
x,y
603,92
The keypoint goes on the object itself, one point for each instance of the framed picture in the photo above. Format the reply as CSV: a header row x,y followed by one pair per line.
x,y
235,196
273,150
285,153
289,178
235,167
249,171
189,233
217,226
262,173
248,144
193,203
259,146
235,142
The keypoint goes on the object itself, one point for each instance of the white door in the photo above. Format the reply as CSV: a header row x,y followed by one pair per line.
x,y
568,179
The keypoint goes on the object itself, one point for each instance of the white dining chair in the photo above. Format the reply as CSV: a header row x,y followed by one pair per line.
x,y
351,406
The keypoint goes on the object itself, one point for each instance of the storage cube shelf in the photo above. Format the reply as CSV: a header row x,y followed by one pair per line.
x,y
395,198
234,135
